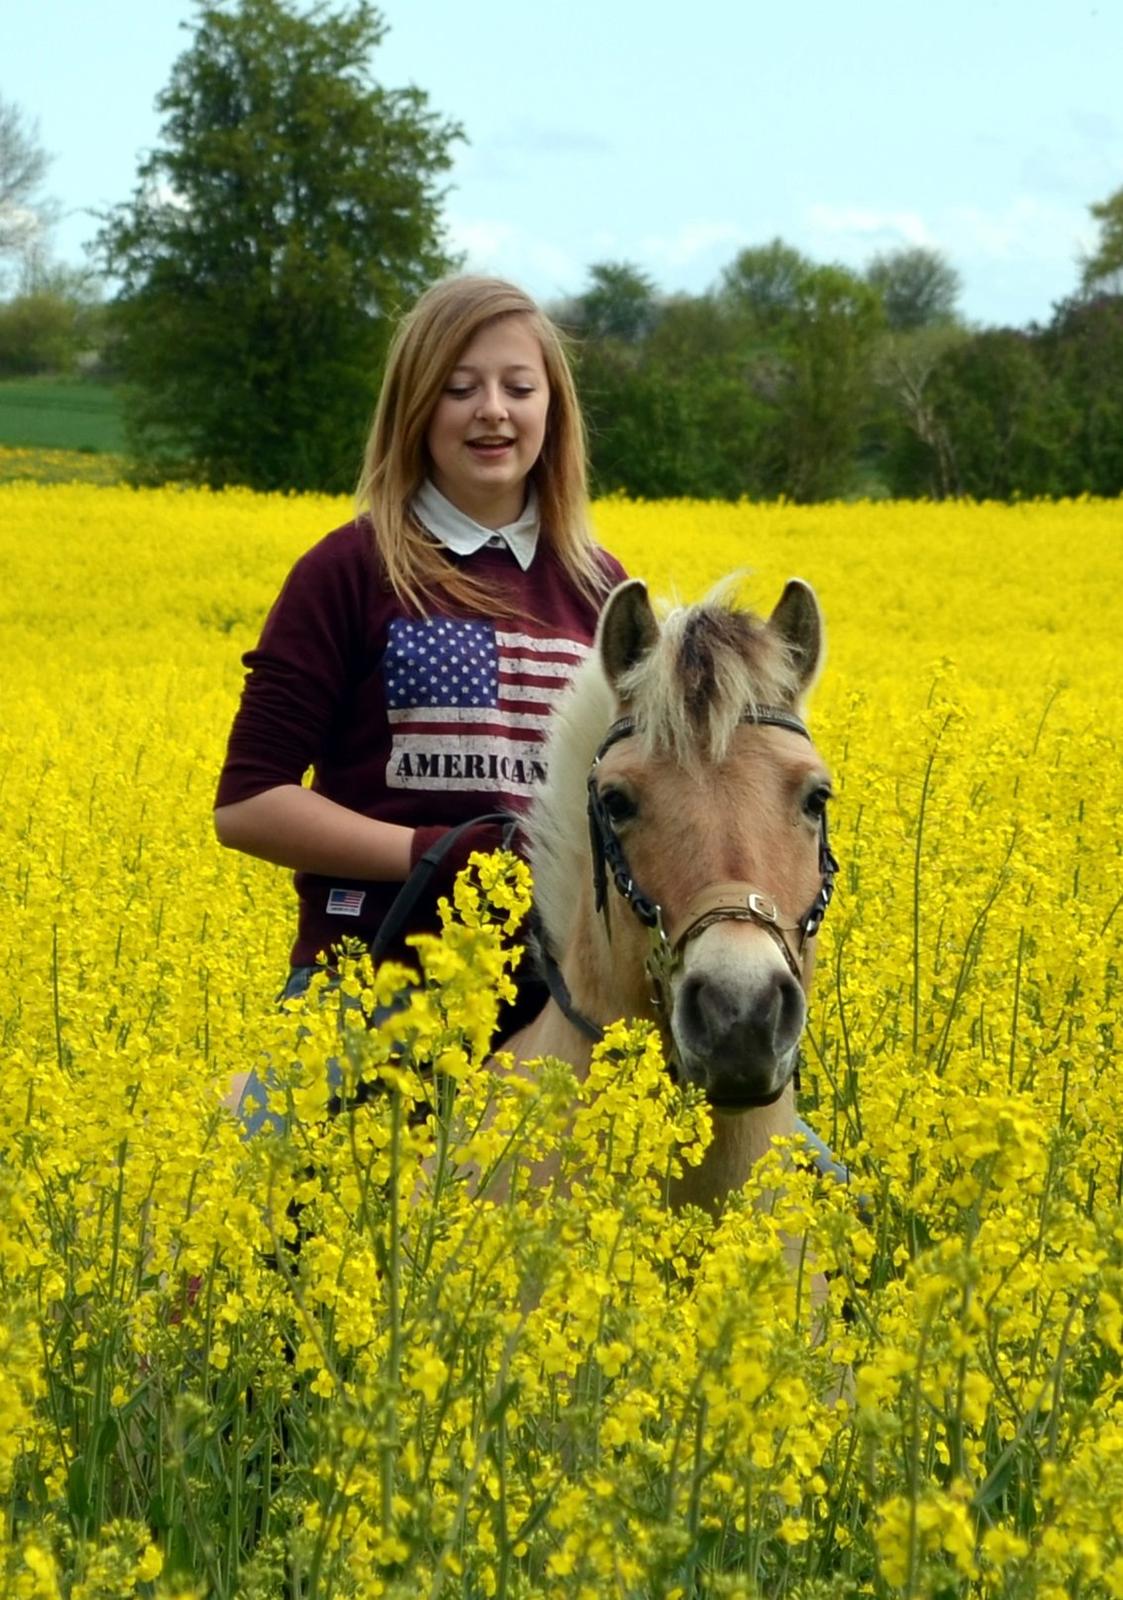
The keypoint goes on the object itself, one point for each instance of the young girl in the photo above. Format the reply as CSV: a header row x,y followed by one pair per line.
x,y
413,657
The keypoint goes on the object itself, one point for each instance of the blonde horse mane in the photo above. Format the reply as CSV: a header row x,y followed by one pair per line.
x,y
710,662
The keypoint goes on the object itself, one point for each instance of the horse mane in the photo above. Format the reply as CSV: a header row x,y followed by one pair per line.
x,y
710,662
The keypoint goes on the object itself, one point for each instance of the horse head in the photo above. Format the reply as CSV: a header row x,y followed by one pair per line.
x,y
680,852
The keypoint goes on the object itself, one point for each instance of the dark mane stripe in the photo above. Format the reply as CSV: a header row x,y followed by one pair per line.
x,y
710,663
706,636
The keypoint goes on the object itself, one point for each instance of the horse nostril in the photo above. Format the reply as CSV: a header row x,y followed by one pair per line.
x,y
775,1016
790,1010
705,1012
718,1021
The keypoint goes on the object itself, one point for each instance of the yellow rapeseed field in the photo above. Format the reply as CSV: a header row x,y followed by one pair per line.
x,y
296,1366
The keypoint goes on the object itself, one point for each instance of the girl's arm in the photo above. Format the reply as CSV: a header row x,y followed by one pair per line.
x,y
298,828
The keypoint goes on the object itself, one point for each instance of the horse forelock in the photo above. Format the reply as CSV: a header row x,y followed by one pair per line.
x,y
709,666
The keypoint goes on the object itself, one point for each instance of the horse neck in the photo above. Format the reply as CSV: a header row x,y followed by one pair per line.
x,y
605,974
739,1140
604,980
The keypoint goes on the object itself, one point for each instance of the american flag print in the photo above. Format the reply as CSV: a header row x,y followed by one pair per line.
x,y
346,902
469,704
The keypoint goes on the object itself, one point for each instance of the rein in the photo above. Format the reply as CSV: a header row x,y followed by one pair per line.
x,y
721,902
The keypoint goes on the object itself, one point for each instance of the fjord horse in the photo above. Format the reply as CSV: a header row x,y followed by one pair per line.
x,y
680,858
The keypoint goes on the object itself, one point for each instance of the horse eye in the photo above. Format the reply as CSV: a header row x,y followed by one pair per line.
x,y
619,805
816,803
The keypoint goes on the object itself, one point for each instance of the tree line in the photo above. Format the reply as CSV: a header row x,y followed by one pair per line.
x,y
794,378
292,207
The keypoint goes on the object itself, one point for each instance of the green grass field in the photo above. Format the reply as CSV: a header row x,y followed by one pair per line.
x,y
60,414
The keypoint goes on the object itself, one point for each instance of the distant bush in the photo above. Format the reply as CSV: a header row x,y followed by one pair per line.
x,y
39,332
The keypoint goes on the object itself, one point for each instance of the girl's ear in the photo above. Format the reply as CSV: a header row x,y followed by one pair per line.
x,y
798,621
627,629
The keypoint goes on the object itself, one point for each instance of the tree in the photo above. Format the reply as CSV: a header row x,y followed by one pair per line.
x,y
620,303
916,455
288,212
822,402
674,415
24,213
1005,420
53,321
1103,270
918,288
805,335
763,282
1083,351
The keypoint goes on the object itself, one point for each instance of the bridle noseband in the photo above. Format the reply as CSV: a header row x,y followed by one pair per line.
x,y
722,902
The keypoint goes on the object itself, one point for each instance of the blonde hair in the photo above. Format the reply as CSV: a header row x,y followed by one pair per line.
x,y
422,354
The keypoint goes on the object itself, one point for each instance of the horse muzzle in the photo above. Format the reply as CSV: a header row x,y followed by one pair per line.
x,y
737,1039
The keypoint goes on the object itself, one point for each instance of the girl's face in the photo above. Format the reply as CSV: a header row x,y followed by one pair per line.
x,y
488,425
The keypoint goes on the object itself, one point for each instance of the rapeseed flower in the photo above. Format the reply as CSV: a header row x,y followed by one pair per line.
x,y
376,1353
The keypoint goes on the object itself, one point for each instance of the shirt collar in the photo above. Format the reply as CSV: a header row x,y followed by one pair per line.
x,y
464,536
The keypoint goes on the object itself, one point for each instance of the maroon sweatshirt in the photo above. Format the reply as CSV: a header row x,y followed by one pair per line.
x,y
415,720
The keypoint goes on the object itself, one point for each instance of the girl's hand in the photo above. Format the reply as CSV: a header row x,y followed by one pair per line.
x,y
484,836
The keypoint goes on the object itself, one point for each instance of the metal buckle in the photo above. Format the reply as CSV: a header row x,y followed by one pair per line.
x,y
762,907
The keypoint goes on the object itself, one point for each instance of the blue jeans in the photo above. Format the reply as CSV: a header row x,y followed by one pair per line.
x,y
253,1107
821,1156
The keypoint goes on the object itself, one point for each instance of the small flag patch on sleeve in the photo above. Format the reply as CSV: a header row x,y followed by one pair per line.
x,y
345,902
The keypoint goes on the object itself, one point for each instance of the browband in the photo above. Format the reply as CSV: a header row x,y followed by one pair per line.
x,y
764,716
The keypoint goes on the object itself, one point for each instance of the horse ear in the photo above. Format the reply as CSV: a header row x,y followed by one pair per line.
x,y
799,623
627,630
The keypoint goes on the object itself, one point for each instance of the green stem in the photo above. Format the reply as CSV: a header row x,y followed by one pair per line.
x,y
393,1286
916,897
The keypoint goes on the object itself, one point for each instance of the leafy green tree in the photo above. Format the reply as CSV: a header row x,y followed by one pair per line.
x,y
290,209
620,303
673,415
53,322
1083,351
908,440
919,288
1103,270
36,335
760,388
1006,421
805,336
764,283
825,393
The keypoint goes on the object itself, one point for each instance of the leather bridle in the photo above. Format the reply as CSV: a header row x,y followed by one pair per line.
x,y
720,902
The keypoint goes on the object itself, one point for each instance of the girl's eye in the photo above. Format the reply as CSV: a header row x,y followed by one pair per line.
x,y
619,805
459,391
520,391
816,803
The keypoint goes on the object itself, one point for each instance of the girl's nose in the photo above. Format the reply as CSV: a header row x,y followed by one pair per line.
x,y
492,404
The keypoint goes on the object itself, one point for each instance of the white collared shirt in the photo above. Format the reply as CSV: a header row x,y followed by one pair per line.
x,y
463,535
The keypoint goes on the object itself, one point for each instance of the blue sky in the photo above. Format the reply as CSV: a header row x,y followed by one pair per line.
x,y
670,135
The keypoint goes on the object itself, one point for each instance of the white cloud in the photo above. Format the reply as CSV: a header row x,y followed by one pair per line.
x,y
1026,228
482,242
537,138
687,243
866,226
538,264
